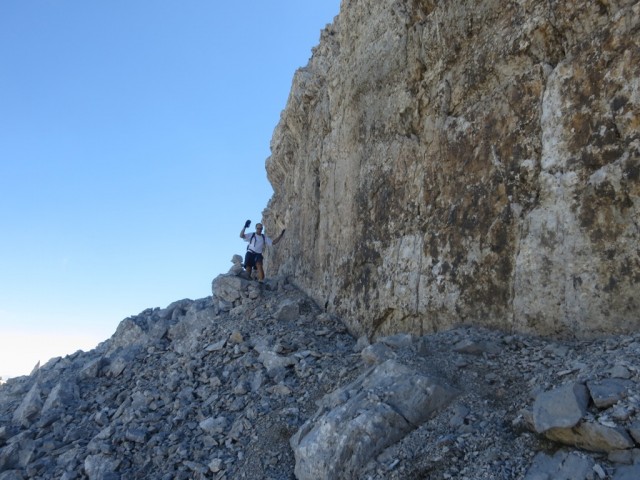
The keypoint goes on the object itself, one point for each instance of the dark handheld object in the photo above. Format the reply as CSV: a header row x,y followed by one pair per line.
x,y
247,223
283,230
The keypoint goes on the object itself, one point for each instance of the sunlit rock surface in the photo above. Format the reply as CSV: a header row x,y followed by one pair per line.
x,y
445,163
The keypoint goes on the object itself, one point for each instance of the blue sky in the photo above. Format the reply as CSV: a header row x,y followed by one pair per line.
x,y
133,136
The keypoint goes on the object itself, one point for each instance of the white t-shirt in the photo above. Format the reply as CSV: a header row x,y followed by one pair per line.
x,y
257,244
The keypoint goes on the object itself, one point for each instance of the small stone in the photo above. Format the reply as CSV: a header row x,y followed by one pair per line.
x,y
213,425
236,337
361,344
620,371
215,465
288,311
217,346
599,471
472,347
377,353
624,457
136,435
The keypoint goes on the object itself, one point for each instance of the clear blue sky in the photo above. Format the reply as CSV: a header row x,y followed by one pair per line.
x,y
133,137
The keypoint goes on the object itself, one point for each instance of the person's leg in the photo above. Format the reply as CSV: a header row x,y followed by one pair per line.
x,y
249,262
260,271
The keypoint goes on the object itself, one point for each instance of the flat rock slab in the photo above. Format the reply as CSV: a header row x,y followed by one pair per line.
x,y
564,465
357,422
608,392
593,437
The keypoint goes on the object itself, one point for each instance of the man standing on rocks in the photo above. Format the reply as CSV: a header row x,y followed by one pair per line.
x,y
257,241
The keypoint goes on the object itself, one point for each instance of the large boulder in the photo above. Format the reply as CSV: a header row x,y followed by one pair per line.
x,y
357,422
560,415
562,407
29,407
593,437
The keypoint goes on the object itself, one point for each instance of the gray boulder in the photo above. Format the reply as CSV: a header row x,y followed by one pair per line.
x,y
561,407
377,353
229,288
564,465
185,335
63,395
593,437
29,408
288,311
101,467
606,393
634,430
357,422
9,457
629,472
91,369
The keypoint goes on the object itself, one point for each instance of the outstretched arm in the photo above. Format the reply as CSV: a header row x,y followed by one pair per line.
x,y
279,237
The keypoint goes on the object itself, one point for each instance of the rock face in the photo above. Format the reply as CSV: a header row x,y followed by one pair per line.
x,y
440,163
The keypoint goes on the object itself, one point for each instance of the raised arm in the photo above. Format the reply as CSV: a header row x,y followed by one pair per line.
x,y
246,225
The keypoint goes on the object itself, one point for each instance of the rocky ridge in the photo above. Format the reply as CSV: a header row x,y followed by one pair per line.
x,y
257,382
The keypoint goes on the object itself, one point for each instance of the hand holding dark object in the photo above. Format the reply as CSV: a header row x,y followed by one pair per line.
x,y
247,223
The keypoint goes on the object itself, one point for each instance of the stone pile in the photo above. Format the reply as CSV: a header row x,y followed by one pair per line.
x,y
190,391
257,382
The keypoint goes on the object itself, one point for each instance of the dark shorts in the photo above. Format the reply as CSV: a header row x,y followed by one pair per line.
x,y
251,259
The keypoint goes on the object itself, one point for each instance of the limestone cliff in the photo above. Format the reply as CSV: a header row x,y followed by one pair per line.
x,y
440,163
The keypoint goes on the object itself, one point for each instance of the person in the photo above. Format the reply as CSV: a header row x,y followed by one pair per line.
x,y
257,242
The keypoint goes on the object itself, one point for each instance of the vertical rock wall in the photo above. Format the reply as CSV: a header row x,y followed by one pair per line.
x,y
444,163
